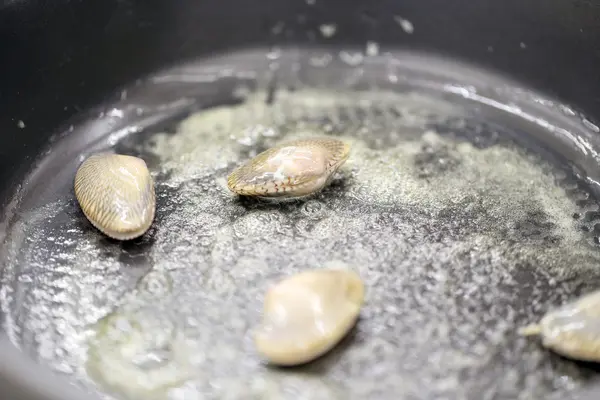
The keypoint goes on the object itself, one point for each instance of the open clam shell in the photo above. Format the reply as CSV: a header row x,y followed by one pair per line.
x,y
293,169
306,315
116,194
572,330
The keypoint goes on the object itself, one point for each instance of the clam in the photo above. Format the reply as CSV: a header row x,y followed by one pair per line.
x,y
307,314
116,194
572,330
290,170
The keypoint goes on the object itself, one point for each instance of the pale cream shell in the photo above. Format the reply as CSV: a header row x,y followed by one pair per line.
x,y
116,194
572,330
307,314
293,169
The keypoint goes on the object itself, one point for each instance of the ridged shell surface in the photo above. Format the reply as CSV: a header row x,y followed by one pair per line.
x,y
572,330
293,169
116,194
307,314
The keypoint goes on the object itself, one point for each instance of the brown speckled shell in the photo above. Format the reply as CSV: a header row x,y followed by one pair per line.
x,y
258,177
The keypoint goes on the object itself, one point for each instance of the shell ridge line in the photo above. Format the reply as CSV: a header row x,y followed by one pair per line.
x,y
116,194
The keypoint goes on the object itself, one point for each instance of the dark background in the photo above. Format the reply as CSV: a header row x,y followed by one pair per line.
x,y
60,57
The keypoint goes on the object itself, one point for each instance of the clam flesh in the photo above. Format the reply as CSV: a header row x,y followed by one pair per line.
x,y
307,314
572,330
116,194
290,170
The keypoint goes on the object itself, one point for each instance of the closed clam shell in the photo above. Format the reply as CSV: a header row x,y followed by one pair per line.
x,y
307,314
116,194
572,330
293,169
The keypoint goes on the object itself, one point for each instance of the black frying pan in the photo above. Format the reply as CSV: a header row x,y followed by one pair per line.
x,y
59,61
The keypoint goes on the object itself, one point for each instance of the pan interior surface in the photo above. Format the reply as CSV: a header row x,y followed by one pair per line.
x,y
467,206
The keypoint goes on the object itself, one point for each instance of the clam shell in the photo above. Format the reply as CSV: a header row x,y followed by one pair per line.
x,y
116,194
307,314
293,169
572,330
